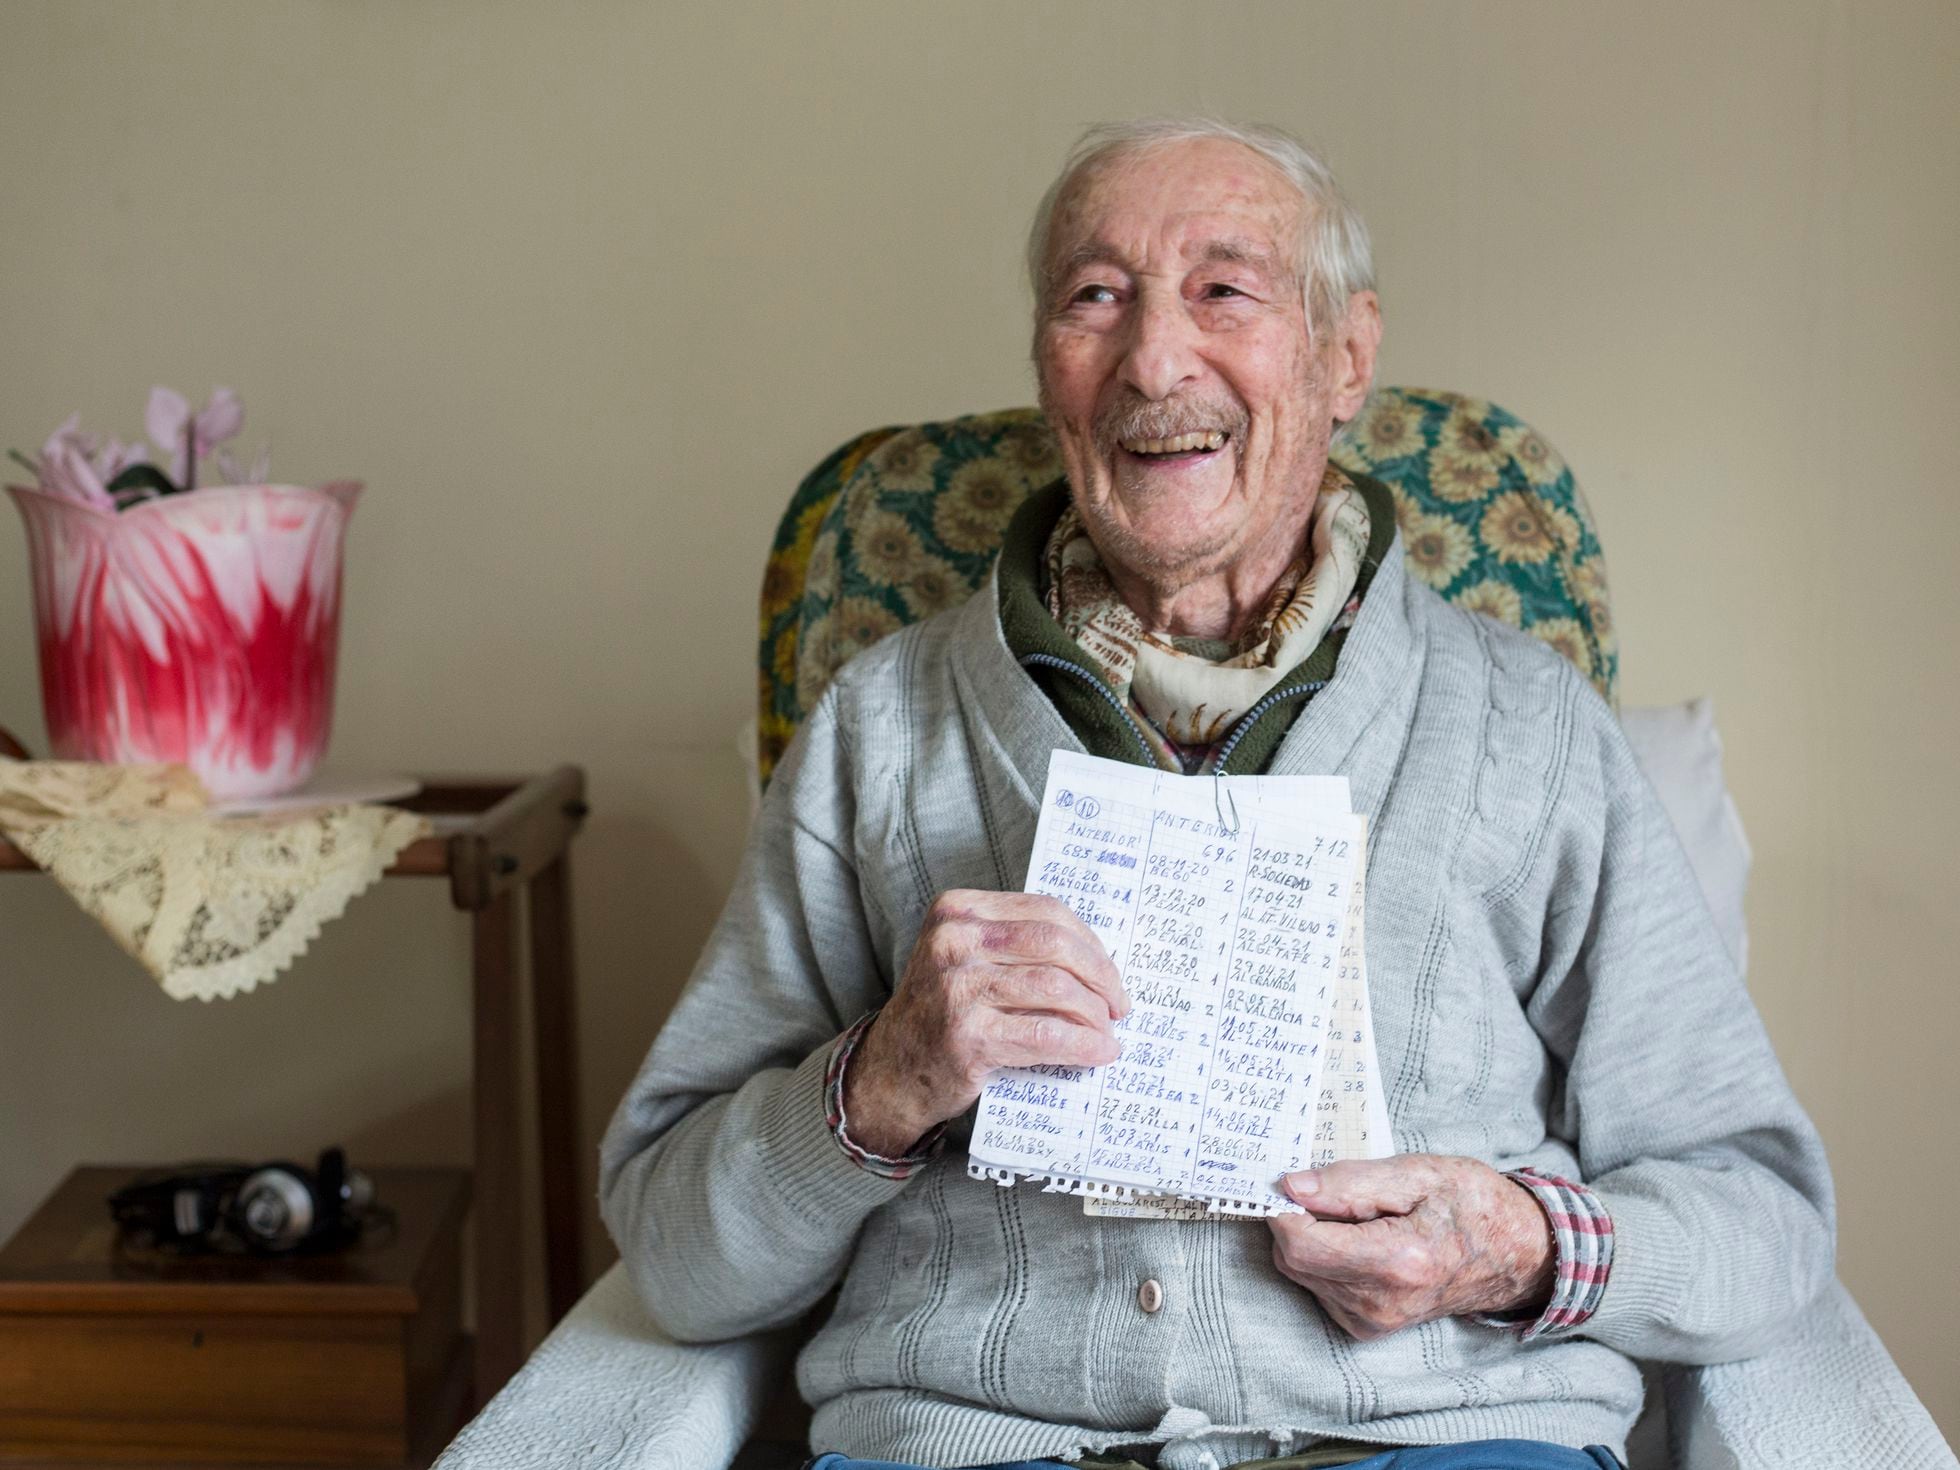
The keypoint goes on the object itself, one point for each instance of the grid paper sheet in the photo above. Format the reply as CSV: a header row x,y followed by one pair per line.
x,y
1351,1117
1226,904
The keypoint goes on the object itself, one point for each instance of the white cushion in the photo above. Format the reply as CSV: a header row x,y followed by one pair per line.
x,y
1679,749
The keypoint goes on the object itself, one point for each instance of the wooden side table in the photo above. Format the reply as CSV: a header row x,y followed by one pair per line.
x,y
502,844
114,1352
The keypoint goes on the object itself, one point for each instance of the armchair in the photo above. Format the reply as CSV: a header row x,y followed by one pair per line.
x,y
901,523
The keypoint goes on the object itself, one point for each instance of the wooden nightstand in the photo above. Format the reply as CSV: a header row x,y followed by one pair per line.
x,y
505,847
138,1357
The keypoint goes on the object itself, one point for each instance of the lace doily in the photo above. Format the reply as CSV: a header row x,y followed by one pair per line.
x,y
209,905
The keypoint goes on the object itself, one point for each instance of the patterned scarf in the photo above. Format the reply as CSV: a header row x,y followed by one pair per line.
x,y
1189,692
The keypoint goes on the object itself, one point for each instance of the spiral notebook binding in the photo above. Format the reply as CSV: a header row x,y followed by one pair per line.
x,y
1052,1183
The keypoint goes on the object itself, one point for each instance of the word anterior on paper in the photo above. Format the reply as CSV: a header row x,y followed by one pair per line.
x,y
1225,904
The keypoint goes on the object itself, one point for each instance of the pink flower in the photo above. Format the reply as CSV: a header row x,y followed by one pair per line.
x,y
65,471
79,467
109,457
171,425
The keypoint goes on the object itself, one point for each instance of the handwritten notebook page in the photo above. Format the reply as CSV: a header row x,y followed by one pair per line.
x,y
1351,1118
1223,902
1351,1115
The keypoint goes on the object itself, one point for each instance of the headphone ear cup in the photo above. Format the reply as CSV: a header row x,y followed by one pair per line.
x,y
273,1209
176,1210
276,1208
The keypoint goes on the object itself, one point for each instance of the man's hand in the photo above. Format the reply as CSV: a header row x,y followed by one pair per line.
x,y
995,980
1389,1243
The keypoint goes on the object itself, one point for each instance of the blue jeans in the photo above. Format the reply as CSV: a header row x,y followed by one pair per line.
x,y
1482,1454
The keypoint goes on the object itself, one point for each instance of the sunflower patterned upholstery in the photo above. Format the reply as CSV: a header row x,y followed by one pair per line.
x,y
902,523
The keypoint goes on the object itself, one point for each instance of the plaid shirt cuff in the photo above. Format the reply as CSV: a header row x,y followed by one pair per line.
x,y
1583,1234
833,1101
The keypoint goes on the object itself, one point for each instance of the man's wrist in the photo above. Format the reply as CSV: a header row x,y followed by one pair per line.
x,y
873,1120
1582,1256
882,1118
1533,1252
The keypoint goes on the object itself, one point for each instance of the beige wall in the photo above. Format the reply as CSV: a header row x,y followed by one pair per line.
x,y
580,291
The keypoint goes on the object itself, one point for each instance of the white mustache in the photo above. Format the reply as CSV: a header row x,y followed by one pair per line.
x,y
1165,419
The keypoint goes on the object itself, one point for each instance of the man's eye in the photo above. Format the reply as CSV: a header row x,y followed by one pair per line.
x,y
1219,291
1093,296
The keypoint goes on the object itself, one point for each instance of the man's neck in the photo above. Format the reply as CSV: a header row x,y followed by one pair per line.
x,y
1214,602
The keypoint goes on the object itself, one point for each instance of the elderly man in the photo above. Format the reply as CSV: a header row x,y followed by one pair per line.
x,y
1603,1160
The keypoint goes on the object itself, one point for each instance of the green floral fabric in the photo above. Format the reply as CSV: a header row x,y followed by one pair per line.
x,y
903,523
778,711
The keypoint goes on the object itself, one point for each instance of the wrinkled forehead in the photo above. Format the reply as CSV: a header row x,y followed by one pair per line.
x,y
1206,199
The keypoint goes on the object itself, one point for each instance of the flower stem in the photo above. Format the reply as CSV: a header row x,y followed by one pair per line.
x,y
190,453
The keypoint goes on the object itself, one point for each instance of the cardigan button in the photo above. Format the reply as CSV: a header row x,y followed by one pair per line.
x,y
1150,1296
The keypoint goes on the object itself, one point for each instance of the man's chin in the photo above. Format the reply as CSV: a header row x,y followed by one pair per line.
x,y
1195,519
1176,551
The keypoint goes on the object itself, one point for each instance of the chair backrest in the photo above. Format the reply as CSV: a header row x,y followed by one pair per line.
x,y
901,523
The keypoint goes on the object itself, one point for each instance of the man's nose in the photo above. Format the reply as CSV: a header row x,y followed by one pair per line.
x,y
1162,353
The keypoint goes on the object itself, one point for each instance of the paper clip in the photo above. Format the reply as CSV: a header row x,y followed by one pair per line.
x,y
1232,827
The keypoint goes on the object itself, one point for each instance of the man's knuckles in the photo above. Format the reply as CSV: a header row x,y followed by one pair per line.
x,y
1360,1312
1361,1325
952,938
1015,989
1043,1034
1025,938
953,906
1054,984
1305,1252
1357,1189
1037,1038
945,943
1373,1325
1046,906
1409,1266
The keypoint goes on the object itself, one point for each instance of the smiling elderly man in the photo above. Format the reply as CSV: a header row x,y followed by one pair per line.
x,y
1604,1161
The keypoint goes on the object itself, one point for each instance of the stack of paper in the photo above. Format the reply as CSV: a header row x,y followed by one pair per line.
x,y
1232,907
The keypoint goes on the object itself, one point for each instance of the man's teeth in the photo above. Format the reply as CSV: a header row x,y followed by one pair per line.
x,y
1181,444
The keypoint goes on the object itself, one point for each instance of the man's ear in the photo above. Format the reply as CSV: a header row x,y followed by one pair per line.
x,y
1357,340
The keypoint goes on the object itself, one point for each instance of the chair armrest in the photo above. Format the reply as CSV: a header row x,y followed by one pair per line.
x,y
1827,1394
608,1389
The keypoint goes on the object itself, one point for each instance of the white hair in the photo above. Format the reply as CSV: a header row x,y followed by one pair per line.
x,y
1336,259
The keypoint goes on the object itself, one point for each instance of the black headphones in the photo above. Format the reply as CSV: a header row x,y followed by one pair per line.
x,y
273,1209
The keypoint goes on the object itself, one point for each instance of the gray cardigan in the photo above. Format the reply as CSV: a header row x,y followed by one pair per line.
x,y
1548,988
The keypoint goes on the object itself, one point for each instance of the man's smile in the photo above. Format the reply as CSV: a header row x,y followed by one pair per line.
x,y
1177,446
1178,453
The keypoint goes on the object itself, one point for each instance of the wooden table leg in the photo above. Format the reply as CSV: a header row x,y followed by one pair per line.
x,y
498,1150
554,1031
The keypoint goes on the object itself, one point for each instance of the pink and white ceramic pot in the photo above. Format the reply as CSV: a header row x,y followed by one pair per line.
x,y
199,628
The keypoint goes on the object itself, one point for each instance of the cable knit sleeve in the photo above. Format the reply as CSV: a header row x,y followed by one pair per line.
x,y
1688,1136
731,1200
